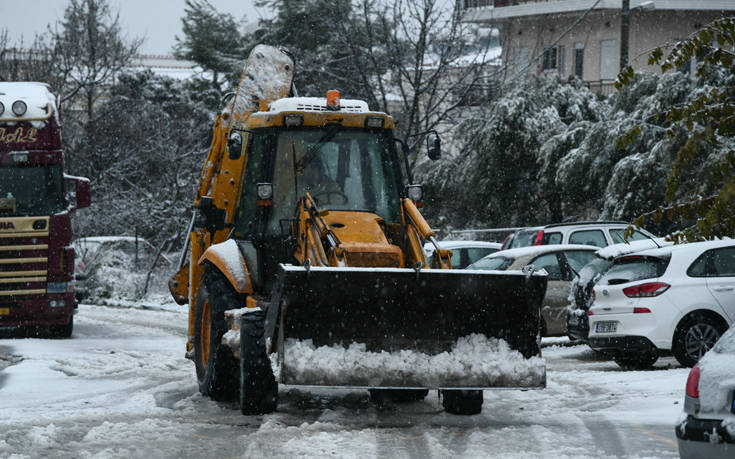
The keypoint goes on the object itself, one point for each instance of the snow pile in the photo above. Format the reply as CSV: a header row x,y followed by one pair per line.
x,y
474,361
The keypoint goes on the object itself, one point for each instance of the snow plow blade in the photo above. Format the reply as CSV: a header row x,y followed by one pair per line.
x,y
399,328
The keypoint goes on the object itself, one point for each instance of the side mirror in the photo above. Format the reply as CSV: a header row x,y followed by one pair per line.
x,y
234,146
433,146
84,194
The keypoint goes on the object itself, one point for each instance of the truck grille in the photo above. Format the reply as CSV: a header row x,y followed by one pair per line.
x,y
23,257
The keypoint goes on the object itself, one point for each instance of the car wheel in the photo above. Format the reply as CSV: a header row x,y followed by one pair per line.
x,y
462,401
216,367
637,362
694,336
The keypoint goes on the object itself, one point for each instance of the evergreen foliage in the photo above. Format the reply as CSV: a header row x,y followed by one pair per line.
x,y
211,39
700,188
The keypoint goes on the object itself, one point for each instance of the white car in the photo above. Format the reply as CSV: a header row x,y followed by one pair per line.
x,y
707,426
464,253
678,298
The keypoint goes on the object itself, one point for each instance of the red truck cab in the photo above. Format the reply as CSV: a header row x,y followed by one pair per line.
x,y
36,257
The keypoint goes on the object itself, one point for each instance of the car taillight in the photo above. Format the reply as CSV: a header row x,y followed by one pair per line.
x,y
693,382
590,313
539,238
505,241
646,290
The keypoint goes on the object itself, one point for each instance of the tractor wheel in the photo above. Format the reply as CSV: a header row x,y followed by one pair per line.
x,y
258,386
216,367
462,401
694,336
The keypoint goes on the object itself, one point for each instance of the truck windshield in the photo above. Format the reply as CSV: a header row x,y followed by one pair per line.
x,y
31,190
342,168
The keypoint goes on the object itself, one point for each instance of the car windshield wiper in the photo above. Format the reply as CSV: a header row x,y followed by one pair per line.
x,y
311,151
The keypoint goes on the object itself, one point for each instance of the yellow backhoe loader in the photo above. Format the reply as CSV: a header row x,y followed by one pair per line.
x,y
305,265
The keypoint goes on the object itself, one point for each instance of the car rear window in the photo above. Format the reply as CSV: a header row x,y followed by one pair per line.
x,y
577,259
475,253
497,263
634,268
592,269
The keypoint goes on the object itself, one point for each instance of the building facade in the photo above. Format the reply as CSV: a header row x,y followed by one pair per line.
x,y
582,38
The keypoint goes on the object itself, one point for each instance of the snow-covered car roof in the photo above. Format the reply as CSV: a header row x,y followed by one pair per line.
x,y
101,239
429,247
539,249
615,250
685,250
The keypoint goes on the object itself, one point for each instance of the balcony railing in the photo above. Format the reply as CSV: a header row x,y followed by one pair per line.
x,y
601,87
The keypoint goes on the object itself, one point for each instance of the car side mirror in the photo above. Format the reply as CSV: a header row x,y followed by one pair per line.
x,y
234,146
433,145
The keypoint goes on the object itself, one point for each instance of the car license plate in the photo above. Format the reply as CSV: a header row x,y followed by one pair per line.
x,y
4,311
608,326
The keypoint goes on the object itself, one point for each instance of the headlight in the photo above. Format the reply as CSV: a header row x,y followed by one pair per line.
x,y
265,191
293,120
374,122
19,108
415,192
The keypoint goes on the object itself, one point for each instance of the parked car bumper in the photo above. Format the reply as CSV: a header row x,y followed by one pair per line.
x,y
656,326
37,311
622,345
704,438
578,327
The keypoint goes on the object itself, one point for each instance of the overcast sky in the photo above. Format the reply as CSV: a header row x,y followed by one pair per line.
x,y
158,21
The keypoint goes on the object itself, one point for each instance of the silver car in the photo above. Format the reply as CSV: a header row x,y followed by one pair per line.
x,y
707,427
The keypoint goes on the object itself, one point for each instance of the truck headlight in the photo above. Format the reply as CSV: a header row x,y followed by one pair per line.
x,y
415,192
19,108
293,120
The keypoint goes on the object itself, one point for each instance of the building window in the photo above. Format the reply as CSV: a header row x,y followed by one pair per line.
x,y
522,60
607,60
549,60
562,61
579,60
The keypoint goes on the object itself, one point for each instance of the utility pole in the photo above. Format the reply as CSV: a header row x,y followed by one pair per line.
x,y
624,33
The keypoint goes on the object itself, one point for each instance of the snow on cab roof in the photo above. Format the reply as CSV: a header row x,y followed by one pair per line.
x,y
40,101
316,104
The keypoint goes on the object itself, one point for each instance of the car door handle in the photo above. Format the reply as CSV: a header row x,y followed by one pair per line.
x,y
723,289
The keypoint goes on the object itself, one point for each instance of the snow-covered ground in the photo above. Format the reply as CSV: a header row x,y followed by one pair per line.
x,y
121,387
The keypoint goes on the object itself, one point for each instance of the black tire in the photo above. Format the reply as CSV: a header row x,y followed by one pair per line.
x,y
694,336
258,386
464,402
379,396
62,331
216,367
637,362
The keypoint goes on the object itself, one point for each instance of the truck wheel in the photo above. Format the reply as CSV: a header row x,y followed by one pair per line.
x,y
216,367
462,401
379,396
694,336
258,386
62,331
